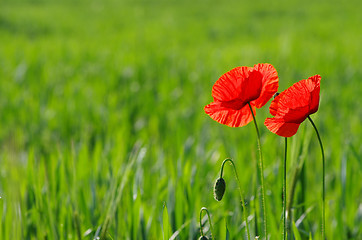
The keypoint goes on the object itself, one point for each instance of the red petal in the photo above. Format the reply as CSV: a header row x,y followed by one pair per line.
x,y
251,87
234,84
228,116
296,115
298,101
280,127
270,83
313,85
274,106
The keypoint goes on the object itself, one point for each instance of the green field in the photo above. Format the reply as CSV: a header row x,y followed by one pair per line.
x,y
102,121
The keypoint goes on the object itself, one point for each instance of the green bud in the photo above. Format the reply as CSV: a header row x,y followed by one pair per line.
x,y
203,238
219,189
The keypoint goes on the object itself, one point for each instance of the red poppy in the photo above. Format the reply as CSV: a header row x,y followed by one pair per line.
x,y
291,107
238,87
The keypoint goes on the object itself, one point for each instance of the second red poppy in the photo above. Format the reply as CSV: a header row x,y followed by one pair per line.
x,y
292,106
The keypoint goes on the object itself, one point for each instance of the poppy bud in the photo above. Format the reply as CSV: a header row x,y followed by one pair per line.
x,y
203,238
219,189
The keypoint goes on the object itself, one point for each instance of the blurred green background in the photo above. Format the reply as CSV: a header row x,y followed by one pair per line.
x,y
102,121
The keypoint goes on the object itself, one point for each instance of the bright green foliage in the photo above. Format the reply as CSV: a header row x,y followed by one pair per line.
x,y
102,122
295,232
165,224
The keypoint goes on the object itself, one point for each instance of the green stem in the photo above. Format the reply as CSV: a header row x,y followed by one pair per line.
x,y
208,215
284,188
324,183
240,192
261,171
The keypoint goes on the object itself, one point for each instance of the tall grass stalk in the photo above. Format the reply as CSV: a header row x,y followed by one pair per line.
x,y
117,191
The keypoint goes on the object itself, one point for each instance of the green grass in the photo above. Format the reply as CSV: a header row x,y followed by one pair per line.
x,y
102,122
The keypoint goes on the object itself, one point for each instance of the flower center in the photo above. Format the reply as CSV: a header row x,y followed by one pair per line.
x,y
235,104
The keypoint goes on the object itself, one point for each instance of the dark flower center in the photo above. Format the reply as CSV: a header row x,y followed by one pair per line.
x,y
235,104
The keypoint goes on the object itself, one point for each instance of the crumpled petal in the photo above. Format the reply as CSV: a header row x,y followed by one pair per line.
x,y
270,83
280,127
228,116
296,115
227,87
313,84
298,101
239,83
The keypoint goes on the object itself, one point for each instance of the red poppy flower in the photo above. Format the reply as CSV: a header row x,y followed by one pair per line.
x,y
291,107
238,87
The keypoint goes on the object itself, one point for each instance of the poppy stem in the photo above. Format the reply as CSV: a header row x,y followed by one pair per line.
x,y
324,183
261,171
208,215
284,188
240,192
